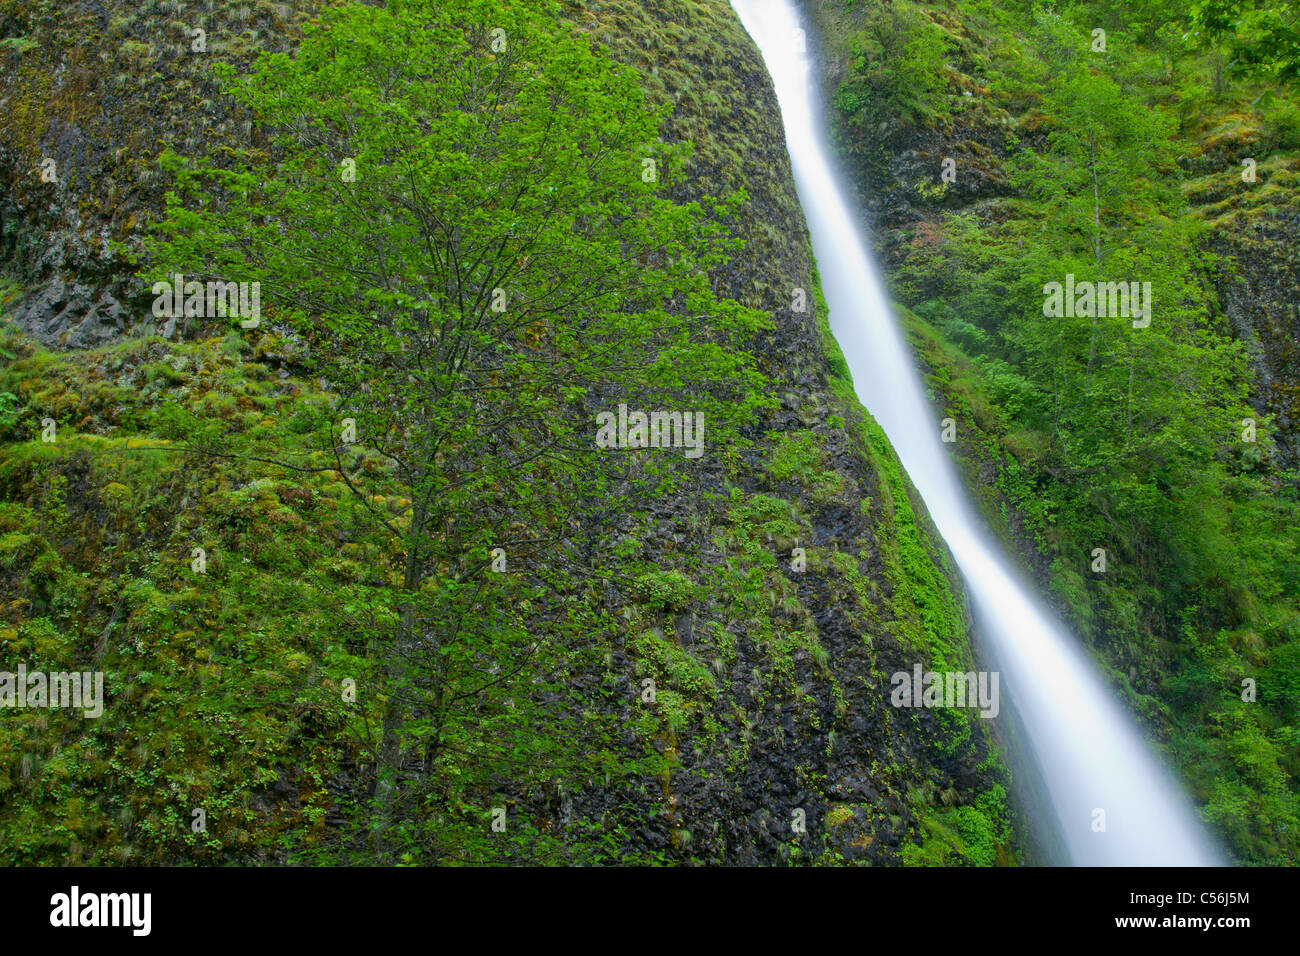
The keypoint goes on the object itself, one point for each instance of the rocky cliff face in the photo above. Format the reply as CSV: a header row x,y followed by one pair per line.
x,y
1256,231
774,680
91,95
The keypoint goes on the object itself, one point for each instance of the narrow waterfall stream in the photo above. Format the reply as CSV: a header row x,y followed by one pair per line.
x,y
1089,752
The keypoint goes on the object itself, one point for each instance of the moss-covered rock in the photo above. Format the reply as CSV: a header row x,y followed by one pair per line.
x,y
226,686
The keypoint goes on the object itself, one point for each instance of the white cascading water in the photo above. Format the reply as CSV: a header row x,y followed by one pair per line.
x,y
1089,751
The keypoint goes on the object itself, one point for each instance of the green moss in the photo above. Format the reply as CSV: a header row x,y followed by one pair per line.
x,y
967,835
666,590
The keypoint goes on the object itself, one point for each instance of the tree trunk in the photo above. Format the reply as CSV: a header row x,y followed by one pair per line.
x,y
1096,253
389,769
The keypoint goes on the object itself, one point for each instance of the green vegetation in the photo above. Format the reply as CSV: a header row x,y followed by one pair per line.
x,y
896,67
1084,432
1263,38
222,684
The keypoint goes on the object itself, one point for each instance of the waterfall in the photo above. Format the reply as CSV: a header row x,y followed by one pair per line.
x,y
1087,748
